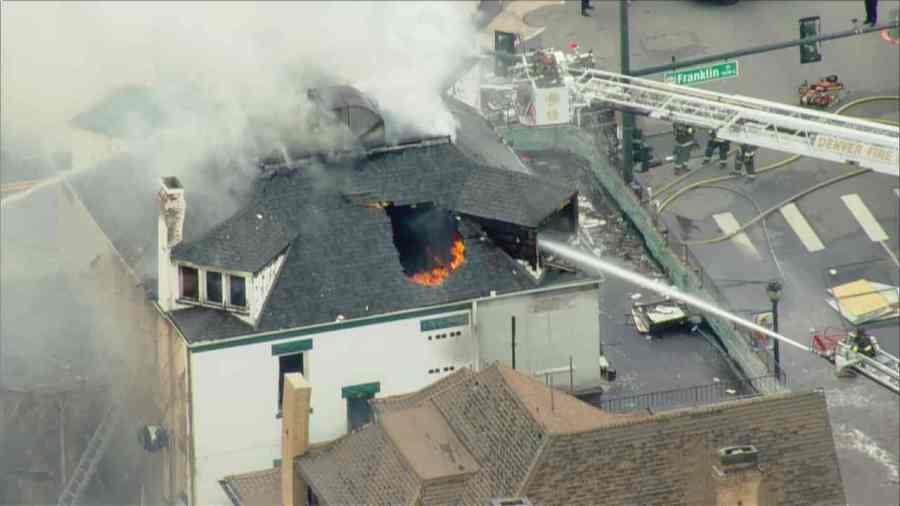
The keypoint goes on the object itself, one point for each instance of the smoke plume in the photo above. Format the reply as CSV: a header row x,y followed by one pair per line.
x,y
228,79
195,90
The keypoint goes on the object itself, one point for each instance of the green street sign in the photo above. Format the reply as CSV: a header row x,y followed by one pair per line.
x,y
697,75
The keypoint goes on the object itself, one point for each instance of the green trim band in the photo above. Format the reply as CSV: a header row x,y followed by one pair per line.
x,y
361,391
321,329
457,320
292,347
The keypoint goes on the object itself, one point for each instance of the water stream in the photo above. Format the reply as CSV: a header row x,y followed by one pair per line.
x,y
594,263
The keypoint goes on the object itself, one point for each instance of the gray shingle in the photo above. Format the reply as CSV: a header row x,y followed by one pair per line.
x,y
342,260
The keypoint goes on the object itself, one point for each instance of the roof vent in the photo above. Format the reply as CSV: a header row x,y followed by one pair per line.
x,y
510,501
354,109
741,456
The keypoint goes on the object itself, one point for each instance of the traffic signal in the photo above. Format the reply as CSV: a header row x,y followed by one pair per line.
x,y
809,27
643,154
504,49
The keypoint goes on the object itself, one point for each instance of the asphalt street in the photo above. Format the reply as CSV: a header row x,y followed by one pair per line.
x,y
865,417
641,362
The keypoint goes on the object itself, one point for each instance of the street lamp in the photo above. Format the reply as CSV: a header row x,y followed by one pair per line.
x,y
773,290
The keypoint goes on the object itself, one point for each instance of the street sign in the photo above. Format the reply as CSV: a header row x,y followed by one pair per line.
x,y
697,75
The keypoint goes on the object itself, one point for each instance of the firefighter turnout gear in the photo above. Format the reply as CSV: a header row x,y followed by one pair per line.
x,y
862,343
745,158
684,143
714,143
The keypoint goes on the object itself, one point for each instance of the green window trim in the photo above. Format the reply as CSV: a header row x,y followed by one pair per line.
x,y
457,320
292,347
361,391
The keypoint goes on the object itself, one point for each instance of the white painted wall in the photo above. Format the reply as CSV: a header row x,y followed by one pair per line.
x,y
550,328
235,390
260,286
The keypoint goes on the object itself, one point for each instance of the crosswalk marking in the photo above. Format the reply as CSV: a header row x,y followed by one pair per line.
x,y
729,225
862,214
802,228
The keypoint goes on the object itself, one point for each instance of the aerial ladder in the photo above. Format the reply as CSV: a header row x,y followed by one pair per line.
x,y
881,367
745,120
90,458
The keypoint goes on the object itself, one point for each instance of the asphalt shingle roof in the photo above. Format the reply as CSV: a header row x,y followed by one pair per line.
x,y
341,258
558,450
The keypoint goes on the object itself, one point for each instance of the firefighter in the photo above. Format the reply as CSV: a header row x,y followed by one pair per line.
x,y
715,142
745,158
862,343
684,143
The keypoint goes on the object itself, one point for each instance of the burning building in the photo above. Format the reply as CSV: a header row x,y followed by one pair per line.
x,y
376,271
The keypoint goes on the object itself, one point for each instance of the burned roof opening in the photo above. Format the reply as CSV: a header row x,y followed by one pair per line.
x,y
428,242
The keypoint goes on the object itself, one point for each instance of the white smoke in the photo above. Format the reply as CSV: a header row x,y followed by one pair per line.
x,y
231,76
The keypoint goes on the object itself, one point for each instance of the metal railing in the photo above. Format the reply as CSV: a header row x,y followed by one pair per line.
x,y
700,395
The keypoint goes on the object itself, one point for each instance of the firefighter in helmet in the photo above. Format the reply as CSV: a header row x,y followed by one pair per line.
x,y
745,158
715,142
684,143
863,343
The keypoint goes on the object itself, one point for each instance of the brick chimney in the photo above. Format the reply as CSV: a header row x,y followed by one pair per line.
x,y
294,437
738,476
172,207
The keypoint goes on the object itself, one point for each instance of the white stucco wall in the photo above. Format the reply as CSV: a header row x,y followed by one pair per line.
x,y
235,390
550,328
261,284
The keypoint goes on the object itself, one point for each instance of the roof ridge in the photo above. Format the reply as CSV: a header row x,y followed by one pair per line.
x,y
518,400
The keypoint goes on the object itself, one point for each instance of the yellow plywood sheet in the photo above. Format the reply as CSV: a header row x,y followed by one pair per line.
x,y
859,298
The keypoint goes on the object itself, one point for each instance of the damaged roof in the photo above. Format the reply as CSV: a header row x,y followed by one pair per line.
x,y
513,436
341,260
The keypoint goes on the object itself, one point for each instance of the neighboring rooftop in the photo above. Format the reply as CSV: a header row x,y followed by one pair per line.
x,y
500,433
261,488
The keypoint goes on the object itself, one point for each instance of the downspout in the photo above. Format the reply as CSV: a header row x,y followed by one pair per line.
x,y
476,338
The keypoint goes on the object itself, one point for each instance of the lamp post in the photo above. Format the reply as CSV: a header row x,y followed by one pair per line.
x,y
627,116
773,290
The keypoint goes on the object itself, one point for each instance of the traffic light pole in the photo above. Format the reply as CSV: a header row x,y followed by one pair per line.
x,y
627,117
755,50
625,69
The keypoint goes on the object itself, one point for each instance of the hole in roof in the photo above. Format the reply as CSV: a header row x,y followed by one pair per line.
x,y
428,242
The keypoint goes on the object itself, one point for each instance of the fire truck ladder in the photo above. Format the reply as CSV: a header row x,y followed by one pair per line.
x,y
90,458
883,368
746,120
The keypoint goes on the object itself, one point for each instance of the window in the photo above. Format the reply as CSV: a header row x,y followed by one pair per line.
x,y
190,285
237,293
359,412
287,364
214,287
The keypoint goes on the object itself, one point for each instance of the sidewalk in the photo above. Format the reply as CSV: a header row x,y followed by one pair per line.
x,y
512,19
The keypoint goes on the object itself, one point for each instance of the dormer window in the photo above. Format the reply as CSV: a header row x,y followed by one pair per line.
x,y
189,280
237,291
208,287
214,287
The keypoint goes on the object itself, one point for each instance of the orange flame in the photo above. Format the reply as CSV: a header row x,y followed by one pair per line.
x,y
437,275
